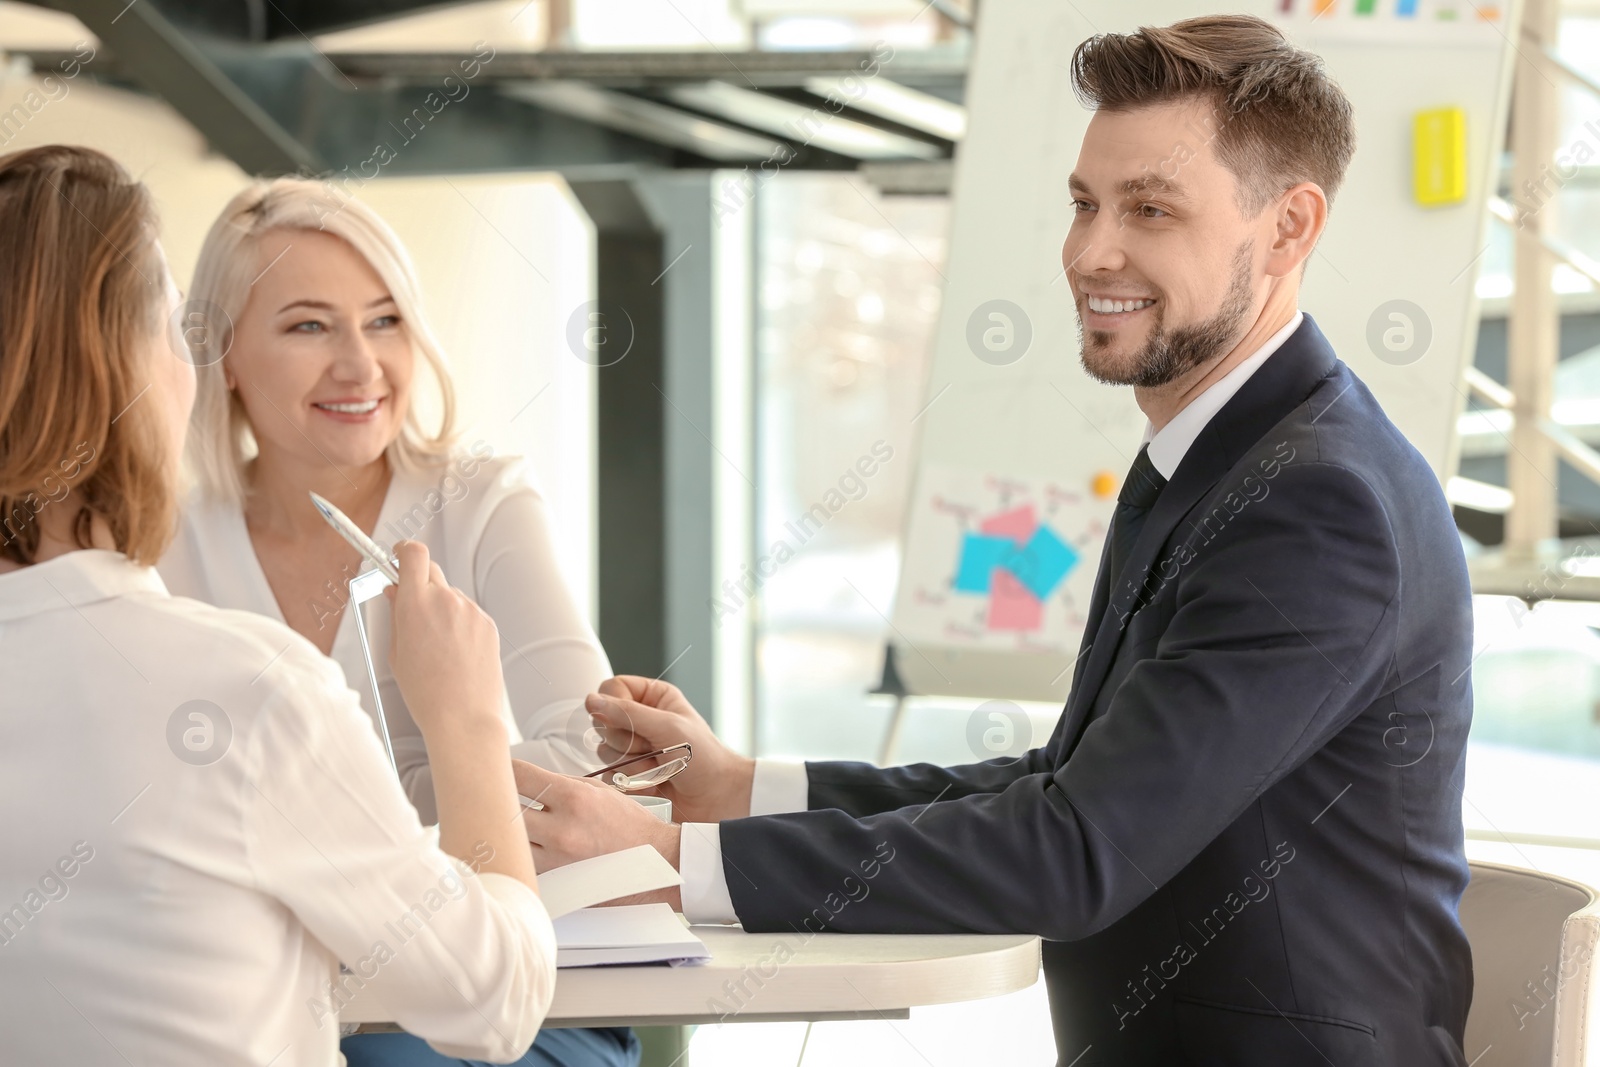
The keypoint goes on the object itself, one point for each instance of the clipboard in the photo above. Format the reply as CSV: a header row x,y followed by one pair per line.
x,y
364,589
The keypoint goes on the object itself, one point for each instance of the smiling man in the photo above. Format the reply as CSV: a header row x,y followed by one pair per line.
x,y
1242,843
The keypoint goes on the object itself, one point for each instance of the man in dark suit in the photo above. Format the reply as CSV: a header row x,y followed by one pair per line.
x,y
1242,844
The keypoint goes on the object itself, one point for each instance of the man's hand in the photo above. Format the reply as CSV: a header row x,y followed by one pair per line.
x,y
638,715
583,817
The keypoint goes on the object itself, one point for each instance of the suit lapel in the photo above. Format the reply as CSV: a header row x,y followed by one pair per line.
x,y
1280,384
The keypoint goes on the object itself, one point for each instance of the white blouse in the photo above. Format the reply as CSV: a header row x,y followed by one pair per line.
x,y
488,528
200,823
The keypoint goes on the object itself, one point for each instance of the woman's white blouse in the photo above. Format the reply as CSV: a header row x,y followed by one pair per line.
x,y
200,823
489,530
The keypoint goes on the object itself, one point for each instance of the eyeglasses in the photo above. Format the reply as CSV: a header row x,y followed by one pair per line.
x,y
679,756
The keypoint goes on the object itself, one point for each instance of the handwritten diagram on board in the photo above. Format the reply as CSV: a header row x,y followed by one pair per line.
x,y
1000,562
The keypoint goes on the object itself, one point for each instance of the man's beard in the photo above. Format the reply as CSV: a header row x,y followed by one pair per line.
x,y
1166,357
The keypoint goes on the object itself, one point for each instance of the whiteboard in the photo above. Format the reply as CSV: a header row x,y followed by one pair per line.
x,y
1016,439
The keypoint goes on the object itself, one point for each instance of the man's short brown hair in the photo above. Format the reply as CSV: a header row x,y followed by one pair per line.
x,y
82,290
1277,119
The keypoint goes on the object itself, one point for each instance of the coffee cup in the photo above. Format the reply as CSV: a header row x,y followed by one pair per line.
x,y
660,807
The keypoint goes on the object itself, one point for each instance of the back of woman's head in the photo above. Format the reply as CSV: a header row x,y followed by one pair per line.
x,y
83,287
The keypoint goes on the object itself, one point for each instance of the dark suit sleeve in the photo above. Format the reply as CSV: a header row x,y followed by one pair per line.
x,y
1282,632
862,789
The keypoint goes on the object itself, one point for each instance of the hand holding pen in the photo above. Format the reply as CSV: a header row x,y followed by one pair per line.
x,y
376,556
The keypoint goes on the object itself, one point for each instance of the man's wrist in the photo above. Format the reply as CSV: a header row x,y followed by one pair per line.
x,y
669,842
745,782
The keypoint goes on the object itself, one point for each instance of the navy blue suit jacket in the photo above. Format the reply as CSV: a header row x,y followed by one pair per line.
x,y
1243,842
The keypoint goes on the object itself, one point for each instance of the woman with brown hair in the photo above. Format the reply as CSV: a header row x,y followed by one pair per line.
x,y
201,822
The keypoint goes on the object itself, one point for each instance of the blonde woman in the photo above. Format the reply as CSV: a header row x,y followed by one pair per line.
x,y
200,822
311,353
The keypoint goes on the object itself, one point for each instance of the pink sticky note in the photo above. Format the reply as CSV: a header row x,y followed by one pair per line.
x,y
1017,524
1011,606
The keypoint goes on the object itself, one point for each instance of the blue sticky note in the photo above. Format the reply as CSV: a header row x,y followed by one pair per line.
x,y
1043,562
980,555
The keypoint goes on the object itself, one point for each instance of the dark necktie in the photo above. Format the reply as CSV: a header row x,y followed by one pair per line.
x,y
1139,492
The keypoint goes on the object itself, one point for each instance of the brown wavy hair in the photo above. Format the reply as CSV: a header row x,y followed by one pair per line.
x,y
82,292
1279,119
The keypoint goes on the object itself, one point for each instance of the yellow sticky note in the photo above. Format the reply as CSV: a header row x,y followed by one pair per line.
x,y
1439,156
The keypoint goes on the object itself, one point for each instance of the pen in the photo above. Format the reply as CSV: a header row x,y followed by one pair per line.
x,y
368,548
358,540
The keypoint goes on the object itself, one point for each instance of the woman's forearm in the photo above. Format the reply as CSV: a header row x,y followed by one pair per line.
x,y
480,819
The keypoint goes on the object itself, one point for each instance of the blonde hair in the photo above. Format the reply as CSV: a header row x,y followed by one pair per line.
x,y
221,440
82,291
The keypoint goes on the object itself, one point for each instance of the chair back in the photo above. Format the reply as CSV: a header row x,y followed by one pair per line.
x,y
1536,983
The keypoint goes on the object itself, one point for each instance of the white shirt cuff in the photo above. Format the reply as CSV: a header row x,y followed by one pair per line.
x,y
779,787
705,885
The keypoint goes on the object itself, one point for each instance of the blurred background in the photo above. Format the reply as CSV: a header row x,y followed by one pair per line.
x,y
764,263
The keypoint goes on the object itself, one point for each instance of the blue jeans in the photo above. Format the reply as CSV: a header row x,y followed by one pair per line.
x,y
610,1047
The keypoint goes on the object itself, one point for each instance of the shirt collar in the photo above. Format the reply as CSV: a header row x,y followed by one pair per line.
x,y
73,579
1168,447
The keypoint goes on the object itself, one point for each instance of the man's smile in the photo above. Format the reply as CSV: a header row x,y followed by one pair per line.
x,y
1102,312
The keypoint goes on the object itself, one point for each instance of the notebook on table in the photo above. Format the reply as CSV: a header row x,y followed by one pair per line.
x,y
628,933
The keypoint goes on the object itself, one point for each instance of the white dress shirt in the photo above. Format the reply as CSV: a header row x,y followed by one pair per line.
x,y
489,530
781,787
1171,444
200,824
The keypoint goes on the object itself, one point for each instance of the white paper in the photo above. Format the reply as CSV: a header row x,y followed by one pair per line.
x,y
594,881
632,933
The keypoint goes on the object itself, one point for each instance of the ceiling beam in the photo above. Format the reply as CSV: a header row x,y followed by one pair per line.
x,y
289,107
157,55
640,70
